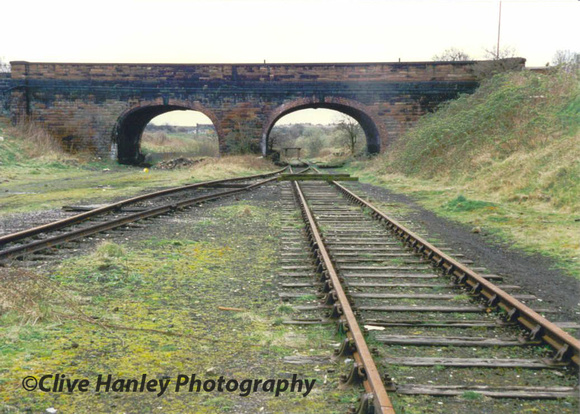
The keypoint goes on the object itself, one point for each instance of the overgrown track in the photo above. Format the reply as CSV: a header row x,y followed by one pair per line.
x,y
111,216
439,328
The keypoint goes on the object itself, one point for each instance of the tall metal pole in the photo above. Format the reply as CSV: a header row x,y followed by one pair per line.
x,y
498,31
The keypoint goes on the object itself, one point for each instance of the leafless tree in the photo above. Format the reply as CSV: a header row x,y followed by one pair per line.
x,y
4,66
497,62
503,53
350,130
273,139
567,60
452,54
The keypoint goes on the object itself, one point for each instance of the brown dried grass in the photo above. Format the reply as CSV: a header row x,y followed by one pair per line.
x,y
160,142
38,143
155,138
27,294
230,166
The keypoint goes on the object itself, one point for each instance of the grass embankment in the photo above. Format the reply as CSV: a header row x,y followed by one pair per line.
x,y
506,159
36,174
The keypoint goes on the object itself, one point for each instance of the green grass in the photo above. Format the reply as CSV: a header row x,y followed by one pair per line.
x,y
460,203
471,395
511,112
505,159
516,138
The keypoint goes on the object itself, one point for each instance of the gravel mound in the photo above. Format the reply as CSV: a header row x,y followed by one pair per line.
x,y
181,162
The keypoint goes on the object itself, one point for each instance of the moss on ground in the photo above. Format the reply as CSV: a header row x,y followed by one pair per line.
x,y
152,306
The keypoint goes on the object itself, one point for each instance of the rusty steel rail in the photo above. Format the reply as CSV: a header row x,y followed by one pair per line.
x,y
567,347
364,368
38,245
9,238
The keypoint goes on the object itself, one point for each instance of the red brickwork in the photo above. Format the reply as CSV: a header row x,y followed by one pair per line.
x,y
104,107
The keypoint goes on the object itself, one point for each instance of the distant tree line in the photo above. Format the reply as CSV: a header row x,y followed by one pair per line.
x,y
199,128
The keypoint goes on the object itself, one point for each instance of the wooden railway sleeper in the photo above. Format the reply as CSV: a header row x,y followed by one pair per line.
x,y
564,351
526,317
362,357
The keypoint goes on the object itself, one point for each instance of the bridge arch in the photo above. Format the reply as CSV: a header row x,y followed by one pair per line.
x,y
127,132
364,115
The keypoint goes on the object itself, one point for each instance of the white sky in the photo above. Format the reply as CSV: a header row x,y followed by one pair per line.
x,y
280,31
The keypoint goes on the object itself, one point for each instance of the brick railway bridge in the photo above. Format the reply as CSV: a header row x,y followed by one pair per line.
x,y
105,107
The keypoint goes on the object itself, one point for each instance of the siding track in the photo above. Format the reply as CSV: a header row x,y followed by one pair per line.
x,y
23,243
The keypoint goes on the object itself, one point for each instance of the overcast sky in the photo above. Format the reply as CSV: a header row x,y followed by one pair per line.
x,y
279,31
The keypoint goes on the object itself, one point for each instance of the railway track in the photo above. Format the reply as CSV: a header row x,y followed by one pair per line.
x,y
35,241
423,331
